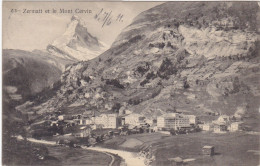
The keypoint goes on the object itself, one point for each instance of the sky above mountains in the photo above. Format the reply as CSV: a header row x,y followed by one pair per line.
x,y
26,26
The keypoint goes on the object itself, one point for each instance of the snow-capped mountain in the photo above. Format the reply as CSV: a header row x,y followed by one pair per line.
x,y
77,43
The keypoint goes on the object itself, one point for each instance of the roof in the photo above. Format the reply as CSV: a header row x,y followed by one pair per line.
x,y
121,116
237,123
189,115
69,121
78,129
220,124
83,127
134,115
170,115
216,122
176,159
224,116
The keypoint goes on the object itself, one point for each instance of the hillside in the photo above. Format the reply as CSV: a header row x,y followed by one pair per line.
x,y
26,73
194,57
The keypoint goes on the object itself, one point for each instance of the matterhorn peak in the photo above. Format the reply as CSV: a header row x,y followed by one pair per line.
x,y
77,42
80,21
74,17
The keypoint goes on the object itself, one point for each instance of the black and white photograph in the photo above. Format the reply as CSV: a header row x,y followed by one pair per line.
x,y
130,83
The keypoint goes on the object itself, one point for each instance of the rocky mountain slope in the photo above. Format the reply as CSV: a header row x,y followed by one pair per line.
x,y
26,73
77,43
194,57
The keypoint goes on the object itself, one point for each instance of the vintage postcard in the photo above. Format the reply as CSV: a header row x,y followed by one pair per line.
x,y
131,83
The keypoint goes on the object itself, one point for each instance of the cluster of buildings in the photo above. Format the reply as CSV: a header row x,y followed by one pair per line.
x,y
112,121
101,121
90,121
223,124
167,122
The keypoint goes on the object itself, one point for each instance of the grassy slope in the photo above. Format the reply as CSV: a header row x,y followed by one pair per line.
x,y
231,148
72,156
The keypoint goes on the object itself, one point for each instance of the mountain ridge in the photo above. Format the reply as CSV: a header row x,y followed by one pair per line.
x,y
26,73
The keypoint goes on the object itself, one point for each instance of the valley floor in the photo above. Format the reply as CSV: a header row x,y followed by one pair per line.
x,y
238,149
77,156
61,156
131,159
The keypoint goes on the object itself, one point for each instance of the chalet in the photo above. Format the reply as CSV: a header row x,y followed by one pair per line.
x,y
236,126
107,120
65,117
134,119
176,161
85,121
208,150
192,119
70,123
84,131
220,128
223,119
207,127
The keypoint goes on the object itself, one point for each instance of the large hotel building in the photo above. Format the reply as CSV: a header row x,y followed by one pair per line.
x,y
173,121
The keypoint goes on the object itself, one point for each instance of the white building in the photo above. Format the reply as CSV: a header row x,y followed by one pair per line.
x,y
134,119
172,121
61,117
192,119
86,121
236,126
65,117
106,120
207,127
83,131
220,128
128,111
